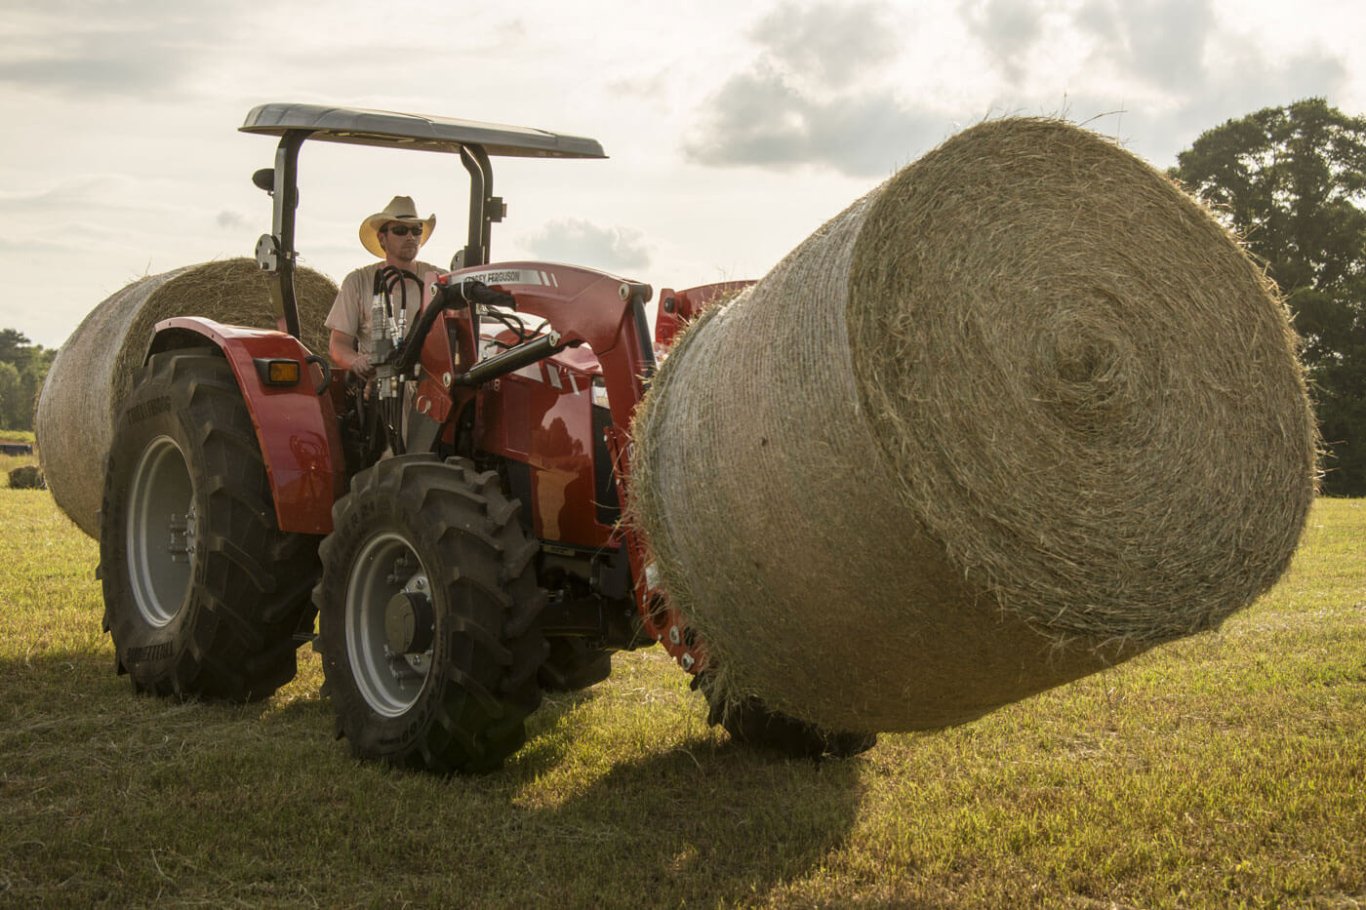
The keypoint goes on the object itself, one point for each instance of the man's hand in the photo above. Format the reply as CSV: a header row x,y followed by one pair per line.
x,y
341,347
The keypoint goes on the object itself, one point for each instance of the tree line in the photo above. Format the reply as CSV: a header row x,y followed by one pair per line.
x,y
23,367
1291,181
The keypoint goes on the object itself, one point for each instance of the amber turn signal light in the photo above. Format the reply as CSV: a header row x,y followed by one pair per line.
x,y
279,372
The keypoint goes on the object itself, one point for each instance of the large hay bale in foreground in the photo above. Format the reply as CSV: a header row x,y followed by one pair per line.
x,y
95,368
1022,412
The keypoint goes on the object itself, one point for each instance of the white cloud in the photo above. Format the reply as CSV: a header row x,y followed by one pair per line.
x,y
85,48
813,96
1162,43
580,242
761,119
1009,29
231,219
830,44
67,193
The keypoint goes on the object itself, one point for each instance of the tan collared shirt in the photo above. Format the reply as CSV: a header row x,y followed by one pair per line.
x,y
351,311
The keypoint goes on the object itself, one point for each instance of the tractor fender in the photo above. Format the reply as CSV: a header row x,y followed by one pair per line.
x,y
296,427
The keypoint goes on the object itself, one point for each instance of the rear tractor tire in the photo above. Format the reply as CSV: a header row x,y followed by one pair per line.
x,y
203,593
429,627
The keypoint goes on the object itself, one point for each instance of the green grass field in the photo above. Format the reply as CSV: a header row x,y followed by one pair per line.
x,y
1226,770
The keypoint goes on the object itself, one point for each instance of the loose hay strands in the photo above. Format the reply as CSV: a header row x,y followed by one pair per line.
x,y
95,368
1023,411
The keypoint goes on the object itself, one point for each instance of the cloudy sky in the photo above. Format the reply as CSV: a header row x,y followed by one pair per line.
x,y
734,129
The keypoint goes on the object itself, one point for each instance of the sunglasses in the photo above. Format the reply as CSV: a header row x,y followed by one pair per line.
x,y
403,230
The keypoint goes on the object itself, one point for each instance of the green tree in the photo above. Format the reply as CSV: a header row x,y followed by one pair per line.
x,y
13,412
15,348
1292,181
20,384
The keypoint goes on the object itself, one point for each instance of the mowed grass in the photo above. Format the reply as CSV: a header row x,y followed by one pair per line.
x,y
1226,770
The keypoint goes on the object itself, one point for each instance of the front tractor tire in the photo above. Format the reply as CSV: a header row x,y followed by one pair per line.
x,y
203,593
429,617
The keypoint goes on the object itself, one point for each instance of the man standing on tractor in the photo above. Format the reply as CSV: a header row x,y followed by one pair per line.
x,y
395,235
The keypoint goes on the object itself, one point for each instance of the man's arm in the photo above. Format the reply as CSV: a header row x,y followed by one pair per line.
x,y
345,320
341,348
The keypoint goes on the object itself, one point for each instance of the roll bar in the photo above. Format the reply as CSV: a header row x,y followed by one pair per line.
x,y
473,141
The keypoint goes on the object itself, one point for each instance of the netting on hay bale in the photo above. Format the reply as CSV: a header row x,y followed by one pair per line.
x,y
95,368
1022,412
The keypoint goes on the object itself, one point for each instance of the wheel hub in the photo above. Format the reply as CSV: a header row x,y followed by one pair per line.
x,y
408,623
389,624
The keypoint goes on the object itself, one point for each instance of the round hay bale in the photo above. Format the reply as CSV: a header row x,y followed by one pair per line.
x,y
27,477
1022,412
95,368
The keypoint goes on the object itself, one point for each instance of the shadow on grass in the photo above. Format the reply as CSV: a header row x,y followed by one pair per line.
x,y
707,825
54,677
703,821
696,821
687,820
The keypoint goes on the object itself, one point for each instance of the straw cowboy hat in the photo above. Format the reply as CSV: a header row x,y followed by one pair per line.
x,y
400,208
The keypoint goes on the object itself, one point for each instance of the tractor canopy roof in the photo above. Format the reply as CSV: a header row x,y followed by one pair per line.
x,y
390,129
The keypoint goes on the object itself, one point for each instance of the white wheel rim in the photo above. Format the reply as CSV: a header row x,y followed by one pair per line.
x,y
162,531
390,683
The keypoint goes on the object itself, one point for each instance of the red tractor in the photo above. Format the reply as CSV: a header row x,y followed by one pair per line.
x,y
453,526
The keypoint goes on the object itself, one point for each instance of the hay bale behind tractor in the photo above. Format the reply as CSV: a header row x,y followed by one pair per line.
x,y
96,366
1022,412
27,477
